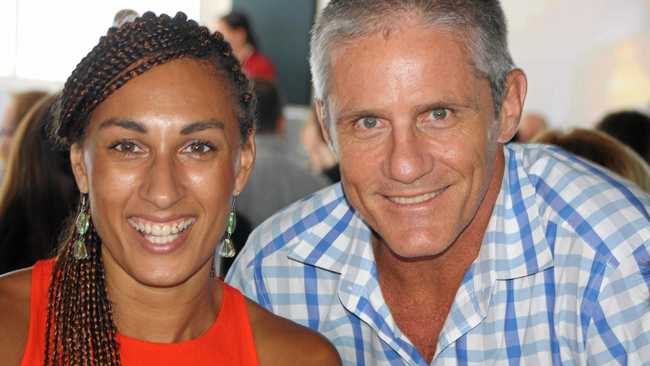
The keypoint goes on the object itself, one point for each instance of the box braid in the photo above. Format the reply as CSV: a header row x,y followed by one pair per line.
x,y
80,328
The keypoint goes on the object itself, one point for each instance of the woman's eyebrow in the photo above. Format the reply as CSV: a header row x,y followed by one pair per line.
x,y
123,123
202,125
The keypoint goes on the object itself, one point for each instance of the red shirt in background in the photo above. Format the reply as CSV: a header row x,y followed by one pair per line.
x,y
258,66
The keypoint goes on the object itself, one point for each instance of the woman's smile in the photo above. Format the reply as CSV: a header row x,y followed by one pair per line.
x,y
161,233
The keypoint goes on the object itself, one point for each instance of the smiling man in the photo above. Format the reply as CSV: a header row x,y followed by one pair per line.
x,y
442,245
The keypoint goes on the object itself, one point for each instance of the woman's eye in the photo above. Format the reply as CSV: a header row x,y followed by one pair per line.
x,y
199,147
127,147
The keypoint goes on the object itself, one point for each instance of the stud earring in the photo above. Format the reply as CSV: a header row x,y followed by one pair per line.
x,y
227,249
82,224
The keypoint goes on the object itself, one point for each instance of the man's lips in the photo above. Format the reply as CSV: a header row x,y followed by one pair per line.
x,y
413,199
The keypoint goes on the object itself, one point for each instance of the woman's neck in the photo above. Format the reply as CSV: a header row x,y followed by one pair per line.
x,y
163,314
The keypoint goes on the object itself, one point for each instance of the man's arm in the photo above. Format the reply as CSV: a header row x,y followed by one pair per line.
x,y
241,274
619,332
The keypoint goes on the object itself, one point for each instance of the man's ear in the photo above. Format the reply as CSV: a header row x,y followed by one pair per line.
x,y
512,105
322,122
79,167
246,162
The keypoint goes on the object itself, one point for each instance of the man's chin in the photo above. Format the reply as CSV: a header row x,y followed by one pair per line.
x,y
410,249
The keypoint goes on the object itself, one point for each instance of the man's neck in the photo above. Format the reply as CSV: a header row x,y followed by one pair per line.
x,y
163,315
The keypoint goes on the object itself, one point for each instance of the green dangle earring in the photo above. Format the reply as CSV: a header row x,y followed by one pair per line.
x,y
227,249
82,224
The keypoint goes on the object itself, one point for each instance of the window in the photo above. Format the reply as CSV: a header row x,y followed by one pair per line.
x,y
46,39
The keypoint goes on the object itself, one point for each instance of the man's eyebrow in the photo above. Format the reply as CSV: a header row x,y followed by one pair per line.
x,y
202,125
124,123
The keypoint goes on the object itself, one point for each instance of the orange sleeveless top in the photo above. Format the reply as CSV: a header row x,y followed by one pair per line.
x,y
229,341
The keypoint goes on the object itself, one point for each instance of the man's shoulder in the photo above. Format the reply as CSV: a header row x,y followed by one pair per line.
x,y
271,240
572,181
281,341
303,214
608,213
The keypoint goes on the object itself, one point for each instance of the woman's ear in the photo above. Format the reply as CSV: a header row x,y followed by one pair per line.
x,y
79,167
246,162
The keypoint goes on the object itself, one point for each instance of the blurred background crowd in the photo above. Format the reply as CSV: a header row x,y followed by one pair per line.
x,y
588,65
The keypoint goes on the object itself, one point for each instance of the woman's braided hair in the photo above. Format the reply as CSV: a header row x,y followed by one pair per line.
x,y
80,328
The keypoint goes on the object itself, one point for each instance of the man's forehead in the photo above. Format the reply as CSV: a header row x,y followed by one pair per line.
x,y
405,56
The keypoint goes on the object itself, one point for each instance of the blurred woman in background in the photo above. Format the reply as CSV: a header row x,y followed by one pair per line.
x,y
20,103
321,159
237,30
37,194
603,150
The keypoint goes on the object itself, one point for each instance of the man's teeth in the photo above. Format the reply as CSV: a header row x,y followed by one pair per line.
x,y
161,233
413,199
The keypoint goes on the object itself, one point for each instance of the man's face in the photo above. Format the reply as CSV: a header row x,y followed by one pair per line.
x,y
416,135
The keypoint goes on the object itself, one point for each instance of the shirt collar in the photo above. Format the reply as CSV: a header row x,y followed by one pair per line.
x,y
330,241
515,242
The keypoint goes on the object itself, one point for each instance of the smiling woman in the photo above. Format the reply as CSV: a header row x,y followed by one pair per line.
x,y
158,119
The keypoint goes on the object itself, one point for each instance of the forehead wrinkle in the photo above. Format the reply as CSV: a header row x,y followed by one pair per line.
x,y
472,100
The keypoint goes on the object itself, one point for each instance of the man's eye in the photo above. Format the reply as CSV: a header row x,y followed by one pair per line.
x,y
438,118
368,122
439,113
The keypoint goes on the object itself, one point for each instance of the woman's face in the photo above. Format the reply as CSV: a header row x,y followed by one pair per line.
x,y
161,159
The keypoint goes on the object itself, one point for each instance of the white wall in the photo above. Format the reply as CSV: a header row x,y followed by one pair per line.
x,y
582,57
41,41
211,9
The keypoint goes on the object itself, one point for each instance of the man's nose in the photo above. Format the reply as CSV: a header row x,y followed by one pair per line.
x,y
409,159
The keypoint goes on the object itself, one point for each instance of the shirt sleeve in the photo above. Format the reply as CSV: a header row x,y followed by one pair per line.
x,y
619,332
241,273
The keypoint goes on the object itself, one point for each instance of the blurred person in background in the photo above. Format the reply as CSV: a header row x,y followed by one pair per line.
x,y
531,125
603,150
632,128
277,179
37,194
124,16
321,159
20,103
238,31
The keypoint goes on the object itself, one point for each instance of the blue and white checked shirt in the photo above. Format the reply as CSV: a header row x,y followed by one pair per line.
x,y
562,276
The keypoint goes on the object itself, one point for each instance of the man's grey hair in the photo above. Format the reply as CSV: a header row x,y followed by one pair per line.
x,y
481,23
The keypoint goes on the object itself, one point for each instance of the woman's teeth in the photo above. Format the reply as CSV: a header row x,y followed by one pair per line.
x,y
158,233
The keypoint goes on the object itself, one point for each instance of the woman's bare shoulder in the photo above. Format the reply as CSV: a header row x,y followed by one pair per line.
x,y
282,342
15,288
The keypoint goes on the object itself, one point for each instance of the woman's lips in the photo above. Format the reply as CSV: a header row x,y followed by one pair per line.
x,y
161,233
